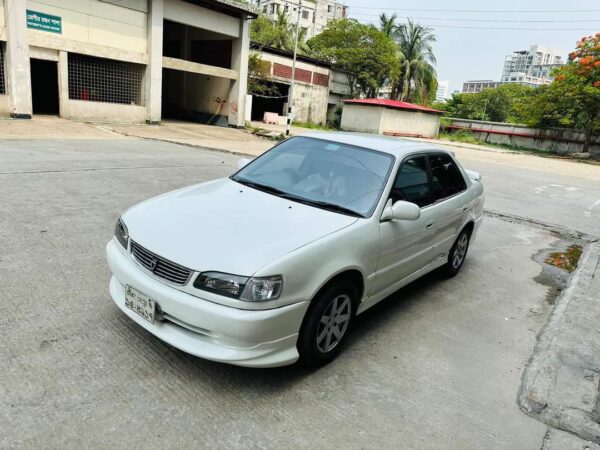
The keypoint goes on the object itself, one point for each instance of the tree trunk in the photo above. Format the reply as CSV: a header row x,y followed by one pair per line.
x,y
587,140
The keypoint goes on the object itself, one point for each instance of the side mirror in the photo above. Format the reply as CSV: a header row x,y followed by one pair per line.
x,y
243,162
401,210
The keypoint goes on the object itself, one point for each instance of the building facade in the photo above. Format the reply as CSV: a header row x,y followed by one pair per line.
x,y
532,66
125,60
443,91
390,117
314,15
311,87
476,86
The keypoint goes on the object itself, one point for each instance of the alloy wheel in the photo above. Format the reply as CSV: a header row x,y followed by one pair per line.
x,y
460,251
334,323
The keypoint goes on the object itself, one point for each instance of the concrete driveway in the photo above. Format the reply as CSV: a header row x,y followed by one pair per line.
x,y
437,365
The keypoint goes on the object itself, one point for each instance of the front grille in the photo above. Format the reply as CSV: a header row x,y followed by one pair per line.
x,y
159,266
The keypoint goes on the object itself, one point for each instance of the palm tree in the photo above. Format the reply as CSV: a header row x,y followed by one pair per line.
x,y
286,33
416,80
387,24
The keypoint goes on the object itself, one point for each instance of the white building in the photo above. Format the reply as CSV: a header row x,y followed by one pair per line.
x,y
532,66
314,15
125,60
443,91
476,86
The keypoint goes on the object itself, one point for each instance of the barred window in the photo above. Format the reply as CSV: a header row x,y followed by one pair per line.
x,y
2,76
105,80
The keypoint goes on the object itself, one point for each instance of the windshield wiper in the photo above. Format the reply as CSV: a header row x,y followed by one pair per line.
x,y
260,187
306,201
325,205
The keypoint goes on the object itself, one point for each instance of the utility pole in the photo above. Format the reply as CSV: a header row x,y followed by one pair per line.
x,y
484,108
291,90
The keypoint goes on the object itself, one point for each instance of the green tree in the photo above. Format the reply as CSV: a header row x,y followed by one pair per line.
x,y
259,76
573,99
505,103
415,78
387,24
366,54
278,34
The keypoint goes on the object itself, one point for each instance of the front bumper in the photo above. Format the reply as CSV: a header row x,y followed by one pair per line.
x,y
265,338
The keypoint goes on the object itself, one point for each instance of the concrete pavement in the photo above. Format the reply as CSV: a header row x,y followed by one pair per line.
x,y
437,365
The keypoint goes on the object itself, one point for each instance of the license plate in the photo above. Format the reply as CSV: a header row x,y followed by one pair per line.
x,y
140,303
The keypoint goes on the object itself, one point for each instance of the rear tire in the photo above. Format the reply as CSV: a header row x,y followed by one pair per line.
x,y
327,324
457,254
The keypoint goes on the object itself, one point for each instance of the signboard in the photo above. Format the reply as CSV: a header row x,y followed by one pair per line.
x,y
44,22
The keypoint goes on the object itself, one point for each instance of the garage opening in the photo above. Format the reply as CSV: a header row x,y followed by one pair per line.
x,y
274,102
190,96
44,86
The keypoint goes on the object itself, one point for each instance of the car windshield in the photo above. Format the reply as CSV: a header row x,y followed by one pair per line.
x,y
325,174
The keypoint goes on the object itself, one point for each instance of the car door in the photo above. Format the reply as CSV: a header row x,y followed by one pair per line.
x,y
406,245
451,201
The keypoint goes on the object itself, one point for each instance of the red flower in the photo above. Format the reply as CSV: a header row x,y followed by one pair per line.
x,y
597,84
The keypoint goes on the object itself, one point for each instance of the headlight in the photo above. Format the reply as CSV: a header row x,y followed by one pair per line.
x,y
236,286
261,289
121,233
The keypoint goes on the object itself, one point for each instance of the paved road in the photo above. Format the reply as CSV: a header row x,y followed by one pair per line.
x,y
554,191
435,366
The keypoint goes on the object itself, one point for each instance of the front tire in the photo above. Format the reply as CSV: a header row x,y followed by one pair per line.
x,y
327,324
457,254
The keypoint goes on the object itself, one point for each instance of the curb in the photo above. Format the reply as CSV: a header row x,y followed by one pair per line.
x,y
560,383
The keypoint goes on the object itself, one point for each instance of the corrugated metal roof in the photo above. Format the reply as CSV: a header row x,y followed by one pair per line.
x,y
394,104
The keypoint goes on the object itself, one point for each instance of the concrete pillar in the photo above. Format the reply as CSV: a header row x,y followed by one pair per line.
x,y
18,71
239,87
154,68
63,84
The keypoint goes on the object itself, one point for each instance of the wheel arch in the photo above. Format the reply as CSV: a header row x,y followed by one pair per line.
x,y
352,274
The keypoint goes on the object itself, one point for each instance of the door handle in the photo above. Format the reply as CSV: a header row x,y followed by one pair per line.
x,y
429,225
465,209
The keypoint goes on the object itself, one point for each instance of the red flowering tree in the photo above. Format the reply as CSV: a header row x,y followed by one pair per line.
x,y
573,98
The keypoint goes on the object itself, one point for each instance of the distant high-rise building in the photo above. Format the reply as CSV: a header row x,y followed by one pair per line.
x,y
531,66
314,15
443,91
476,86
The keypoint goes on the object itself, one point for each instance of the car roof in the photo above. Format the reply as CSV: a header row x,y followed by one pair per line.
x,y
398,147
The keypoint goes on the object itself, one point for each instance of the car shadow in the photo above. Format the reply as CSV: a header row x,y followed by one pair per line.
x,y
271,381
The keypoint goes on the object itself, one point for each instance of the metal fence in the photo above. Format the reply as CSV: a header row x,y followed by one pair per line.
x,y
105,80
2,74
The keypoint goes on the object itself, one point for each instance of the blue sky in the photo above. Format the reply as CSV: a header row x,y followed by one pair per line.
x,y
472,54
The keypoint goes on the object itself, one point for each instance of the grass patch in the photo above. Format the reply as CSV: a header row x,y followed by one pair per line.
x,y
460,136
312,126
566,260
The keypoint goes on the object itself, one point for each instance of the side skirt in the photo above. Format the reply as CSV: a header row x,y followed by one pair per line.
x,y
374,299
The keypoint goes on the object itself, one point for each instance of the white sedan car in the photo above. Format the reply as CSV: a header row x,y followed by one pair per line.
x,y
272,264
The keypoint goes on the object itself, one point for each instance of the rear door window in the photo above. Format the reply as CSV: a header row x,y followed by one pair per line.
x,y
446,177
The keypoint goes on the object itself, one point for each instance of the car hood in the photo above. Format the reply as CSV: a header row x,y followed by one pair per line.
x,y
225,226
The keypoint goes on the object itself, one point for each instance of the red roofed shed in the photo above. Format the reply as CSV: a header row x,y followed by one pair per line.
x,y
384,116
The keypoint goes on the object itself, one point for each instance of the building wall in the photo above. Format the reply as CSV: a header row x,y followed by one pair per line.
x,y
410,122
319,12
2,22
206,95
92,22
118,30
364,119
103,112
374,119
4,105
560,141
311,88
